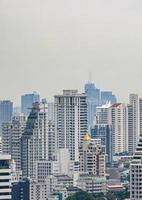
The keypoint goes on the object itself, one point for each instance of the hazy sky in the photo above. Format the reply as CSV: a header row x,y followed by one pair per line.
x,y
48,45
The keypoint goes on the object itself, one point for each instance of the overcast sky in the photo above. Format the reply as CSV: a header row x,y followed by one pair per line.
x,y
50,45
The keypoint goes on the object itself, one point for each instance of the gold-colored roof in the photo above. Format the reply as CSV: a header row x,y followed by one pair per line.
x,y
13,161
86,137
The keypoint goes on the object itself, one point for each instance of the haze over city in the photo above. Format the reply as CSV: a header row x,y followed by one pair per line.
x,y
50,45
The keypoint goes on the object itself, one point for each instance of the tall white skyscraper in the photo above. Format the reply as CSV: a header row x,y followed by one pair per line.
x,y
70,121
119,121
35,140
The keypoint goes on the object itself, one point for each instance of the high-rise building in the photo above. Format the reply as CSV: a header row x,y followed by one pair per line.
x,y
103,114
51,113
70,121
104,132
119,122
11,138
92,157
34,142
6,111
107,96
136,173
134,102
20,190
5,177
27,100
93,100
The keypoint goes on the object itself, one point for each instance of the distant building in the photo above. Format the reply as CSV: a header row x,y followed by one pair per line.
x,y
107,96
119,122
6,111
135,121
5,177
27,100
11,138
70,121
104,132
96,98
34,141
93,100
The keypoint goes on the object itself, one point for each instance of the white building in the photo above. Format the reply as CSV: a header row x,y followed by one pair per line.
x,y
39,191
35,140
103,114
70,121
91,183
46,168
136,173
119,121
5,177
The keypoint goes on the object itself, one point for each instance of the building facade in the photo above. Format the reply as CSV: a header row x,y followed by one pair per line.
x,y
27,100
34,141
6,111
70,121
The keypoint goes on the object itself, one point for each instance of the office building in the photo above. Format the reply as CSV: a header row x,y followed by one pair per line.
x,y
104,132
107,96
5,177
34,141
26,102
93,100
21,190
70,121
6,111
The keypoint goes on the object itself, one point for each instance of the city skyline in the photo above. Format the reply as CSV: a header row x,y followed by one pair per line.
x,y
48,45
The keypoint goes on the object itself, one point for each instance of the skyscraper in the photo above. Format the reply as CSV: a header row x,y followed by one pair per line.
x,y
119,121
70,121
136,173
11,138
107,96
104,132
27,100
6,111
93,100
34,143
134,102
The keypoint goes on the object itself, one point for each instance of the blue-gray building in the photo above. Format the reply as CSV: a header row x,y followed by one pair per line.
x,y
93,100
107,96
21,190
6,111
104,132
27,101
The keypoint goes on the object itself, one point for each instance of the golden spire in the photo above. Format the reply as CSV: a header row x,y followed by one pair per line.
x,y
86,137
